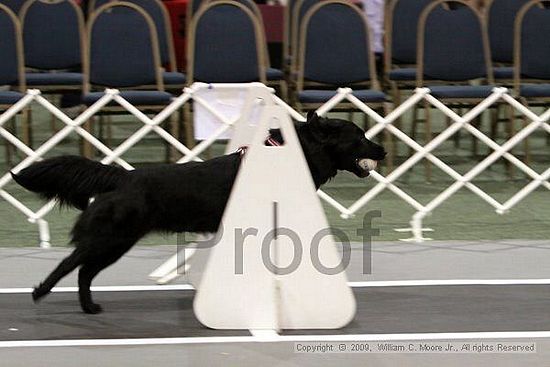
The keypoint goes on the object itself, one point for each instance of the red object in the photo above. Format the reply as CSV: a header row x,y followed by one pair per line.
x,y
178,10
273,16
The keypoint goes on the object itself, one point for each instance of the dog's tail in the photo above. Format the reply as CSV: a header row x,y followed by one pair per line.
x,y
72,180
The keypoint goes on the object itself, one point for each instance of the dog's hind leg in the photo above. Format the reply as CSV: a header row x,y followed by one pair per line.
x,y
85,276
65,267
92,267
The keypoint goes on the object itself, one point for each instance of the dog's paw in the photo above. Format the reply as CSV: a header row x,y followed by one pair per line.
x,y
92,308
38,293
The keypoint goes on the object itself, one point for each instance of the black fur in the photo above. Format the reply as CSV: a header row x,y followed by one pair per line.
x,y
188,197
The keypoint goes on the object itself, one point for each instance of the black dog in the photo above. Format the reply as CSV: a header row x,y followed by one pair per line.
x,y
188,197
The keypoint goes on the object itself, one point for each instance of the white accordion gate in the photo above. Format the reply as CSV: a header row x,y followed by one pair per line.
x,y
382,123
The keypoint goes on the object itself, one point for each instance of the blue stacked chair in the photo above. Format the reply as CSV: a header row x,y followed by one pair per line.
x,y
275,77
93,5
400,44
122,52
13,5
297,13
335,51
173,80
11,62
225,45
531,55
501,16
532,52
53,38
453,58
287,20
12,69
192,7
453,48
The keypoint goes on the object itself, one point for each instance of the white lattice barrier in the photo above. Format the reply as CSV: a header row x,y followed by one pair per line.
x,y
111,155
459,122
382,123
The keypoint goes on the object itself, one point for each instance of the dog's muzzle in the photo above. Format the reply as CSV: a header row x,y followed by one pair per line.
x,y
366,165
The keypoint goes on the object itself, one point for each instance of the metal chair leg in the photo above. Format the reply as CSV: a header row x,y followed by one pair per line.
x,y
53,125
188,127
428,138
495,114
26,118
175,132
510,132
391,141
526,145
283,87
457,134
86,147
109,123
414,126
10,148
475,146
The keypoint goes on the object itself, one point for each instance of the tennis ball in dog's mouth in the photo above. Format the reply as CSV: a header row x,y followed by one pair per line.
x,y
366,163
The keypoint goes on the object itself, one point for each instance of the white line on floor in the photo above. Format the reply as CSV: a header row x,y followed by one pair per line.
x,y
416,283
277,338
364,284
108,288
265,334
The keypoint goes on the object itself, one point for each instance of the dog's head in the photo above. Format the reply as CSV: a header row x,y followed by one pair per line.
x,y
346,145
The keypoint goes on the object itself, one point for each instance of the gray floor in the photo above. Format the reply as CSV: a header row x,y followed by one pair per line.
x,y
381,310
389,310
513,259
254,355
127,315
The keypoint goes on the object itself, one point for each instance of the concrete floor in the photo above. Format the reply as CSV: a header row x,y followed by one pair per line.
x,y
512,259
384,313
253,355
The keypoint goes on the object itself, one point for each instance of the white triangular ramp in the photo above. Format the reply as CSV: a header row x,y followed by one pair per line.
x,y
258,299
258,97
232,101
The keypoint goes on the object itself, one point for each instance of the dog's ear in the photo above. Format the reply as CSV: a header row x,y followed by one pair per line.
x,y
317,127
312,116
314,121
